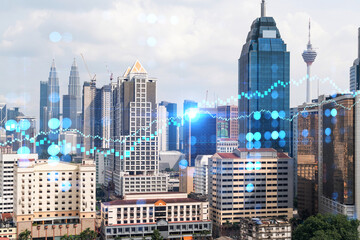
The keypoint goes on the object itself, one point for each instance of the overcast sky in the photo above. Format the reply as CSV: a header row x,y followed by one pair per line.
x,y
191,46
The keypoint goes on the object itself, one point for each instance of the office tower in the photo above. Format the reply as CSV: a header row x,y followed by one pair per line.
x,y
102,157
338,156
7,161
227,122
53,93
105,116
264,75
14,112
201,175
43,120
163,128
309,56
173,125
69,110
174,215
250,184
74,89
307,158
355,70
52,200
134,124
3,115
91,122
25,134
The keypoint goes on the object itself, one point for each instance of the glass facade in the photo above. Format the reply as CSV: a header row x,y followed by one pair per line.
x,y
338,150
263,93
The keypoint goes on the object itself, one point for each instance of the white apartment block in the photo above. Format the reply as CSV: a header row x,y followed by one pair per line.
x,y
163,128
263,229
54,199
250,184
7,161
226,145
138,215
201,175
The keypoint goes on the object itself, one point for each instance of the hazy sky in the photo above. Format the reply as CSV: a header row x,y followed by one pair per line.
x,y
191,46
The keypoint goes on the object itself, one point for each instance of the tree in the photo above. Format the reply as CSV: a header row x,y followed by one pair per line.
x,y
156,235
67,237
25,235
328,226
88,234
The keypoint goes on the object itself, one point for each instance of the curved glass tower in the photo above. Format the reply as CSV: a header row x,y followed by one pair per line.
x,y
263,87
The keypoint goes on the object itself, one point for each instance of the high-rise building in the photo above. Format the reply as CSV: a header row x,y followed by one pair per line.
x,y
307,138
134,125
7,161
74,88
250,184
53,93
51,200
227,122
43,120
3,115
309,56
339,155
91,122
355,71
105,116
188,104
201,175
264,75
163,128
25,134
173,125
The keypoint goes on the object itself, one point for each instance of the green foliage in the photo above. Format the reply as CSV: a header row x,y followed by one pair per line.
x,y
88,234
156,235
25,235
326,227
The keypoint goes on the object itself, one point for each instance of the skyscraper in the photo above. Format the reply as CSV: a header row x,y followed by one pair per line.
x,y
173,125
134,124
264,75
355,71
105,117
72,102
43,105
309,56
53,93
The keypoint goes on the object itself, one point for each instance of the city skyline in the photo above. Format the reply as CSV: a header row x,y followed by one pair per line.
x,y
176,68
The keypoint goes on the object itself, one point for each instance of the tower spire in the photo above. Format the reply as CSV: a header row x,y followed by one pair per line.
x,y
359,44
309,31
263,9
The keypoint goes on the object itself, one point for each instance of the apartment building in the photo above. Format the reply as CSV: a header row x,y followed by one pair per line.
x,y
267,228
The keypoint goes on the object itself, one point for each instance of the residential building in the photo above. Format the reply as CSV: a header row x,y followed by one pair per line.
x,y
7,227
355,71
51,200
8,159
136,155
264,93
102,156
137,215
163,128
201,174
249,184
186,179
265,228
226,145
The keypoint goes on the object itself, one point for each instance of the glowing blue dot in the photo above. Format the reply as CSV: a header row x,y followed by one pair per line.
x,y
24,124
282,114
193,140
282,134
257,145
65,186
53,160
275,114
249,145
267,135
249,166
257,136
274,123
53,150
66,123
282,143
54,97
54,123
67,37
55,37
257,165
183,164
333,112
66,158
23,150
151,41
334,120
335,195
257,115
10,125
274,135
274,94
249,137
250,187
305,133
327,131
140,202
328,139
305,113
327,112
192,113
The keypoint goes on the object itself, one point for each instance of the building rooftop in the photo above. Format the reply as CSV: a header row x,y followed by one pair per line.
x,y
149,201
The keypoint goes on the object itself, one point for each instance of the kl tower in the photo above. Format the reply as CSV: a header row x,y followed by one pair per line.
x,y
309,56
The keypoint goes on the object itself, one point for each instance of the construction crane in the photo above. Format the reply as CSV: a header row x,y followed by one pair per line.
x,y
110,73
92,78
